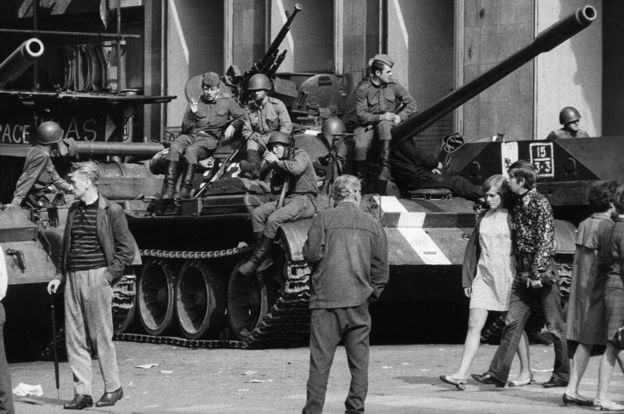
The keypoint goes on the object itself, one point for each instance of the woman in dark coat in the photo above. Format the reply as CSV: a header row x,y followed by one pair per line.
x,y
586,323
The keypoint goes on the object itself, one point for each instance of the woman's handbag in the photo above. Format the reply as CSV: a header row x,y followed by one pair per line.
x,y
618,338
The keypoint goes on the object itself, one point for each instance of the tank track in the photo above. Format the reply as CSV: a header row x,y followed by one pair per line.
x,y
285,325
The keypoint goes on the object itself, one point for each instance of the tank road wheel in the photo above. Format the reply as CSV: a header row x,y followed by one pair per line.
x,y
200,301
124,295
249,300
156,296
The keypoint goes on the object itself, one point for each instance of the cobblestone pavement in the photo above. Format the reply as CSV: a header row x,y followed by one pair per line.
x,y
403,379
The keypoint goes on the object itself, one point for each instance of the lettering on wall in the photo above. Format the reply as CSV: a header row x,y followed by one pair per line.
x,y
80,129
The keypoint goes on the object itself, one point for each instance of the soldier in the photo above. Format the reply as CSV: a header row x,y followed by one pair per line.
x,y
380,104
97,246
264,115
293,171
33,186
207,123
413,168
569,117
6,393
348,250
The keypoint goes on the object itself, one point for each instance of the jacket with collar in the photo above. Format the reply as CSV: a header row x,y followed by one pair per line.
x,y
115,238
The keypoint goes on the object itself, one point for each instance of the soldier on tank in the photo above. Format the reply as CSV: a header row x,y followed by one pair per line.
x,y
293,172
265,114
33,186
569,117
208,122
380,104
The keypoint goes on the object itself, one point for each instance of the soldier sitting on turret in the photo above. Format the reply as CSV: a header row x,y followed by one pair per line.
x,y
264,115
293,171
33,186
569,117
380,104
210,121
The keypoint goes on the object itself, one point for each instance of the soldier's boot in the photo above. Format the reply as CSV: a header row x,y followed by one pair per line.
x,y
171,179
263,247
384,174
250,168
187,181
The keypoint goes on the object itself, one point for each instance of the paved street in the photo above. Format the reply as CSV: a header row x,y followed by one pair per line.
x,y
403,379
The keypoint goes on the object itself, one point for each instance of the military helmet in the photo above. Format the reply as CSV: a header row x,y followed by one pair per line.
x,y
49,133
259,81
333,126
278,137
569,114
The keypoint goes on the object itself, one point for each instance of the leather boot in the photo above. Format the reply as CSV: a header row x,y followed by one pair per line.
x,y
187,181
171,179
259,254
384,174
251,167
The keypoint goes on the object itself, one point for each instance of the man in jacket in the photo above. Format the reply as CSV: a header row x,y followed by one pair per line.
x,y
348,251
569,117
265,114
33,186
97,247
294,174
209,121
536,279
380,104
6,392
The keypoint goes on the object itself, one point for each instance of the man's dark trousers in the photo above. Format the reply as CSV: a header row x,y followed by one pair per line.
x,y
6,392
327,328
519,310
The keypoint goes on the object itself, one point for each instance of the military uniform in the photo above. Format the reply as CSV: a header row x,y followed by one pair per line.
x,y
32,188
371,102
203,130
300,201
564,133
262,119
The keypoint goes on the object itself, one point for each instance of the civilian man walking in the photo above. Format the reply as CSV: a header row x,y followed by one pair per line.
x,y
97,246
348,251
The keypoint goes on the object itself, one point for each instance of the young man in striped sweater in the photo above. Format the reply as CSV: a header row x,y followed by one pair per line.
x,y
97,246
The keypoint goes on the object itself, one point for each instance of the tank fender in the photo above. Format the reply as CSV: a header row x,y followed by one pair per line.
x,y
293,235
565,237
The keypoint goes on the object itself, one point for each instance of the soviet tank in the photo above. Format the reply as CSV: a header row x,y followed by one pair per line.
x,y
188,291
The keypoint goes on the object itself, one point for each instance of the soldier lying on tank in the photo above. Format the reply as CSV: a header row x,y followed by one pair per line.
x,y
569,117
413,168
380,104
33,186
293,172
264,115
208,122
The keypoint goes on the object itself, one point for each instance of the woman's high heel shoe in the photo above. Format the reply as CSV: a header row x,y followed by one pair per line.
x,y
517,383
568,399
607,406
459,383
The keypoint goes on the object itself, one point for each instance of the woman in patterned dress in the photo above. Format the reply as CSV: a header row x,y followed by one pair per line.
x,y
586,322
491,287
614,303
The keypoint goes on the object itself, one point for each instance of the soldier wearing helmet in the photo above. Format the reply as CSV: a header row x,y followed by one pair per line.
x,y
33,188
208,122
333,134
569,117
380,104
294,176
264,115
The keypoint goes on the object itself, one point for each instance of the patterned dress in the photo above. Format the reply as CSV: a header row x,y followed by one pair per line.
x,y
495,271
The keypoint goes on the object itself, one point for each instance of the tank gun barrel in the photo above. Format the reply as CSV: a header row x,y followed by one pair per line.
x,y
20,60
545,41
142,150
